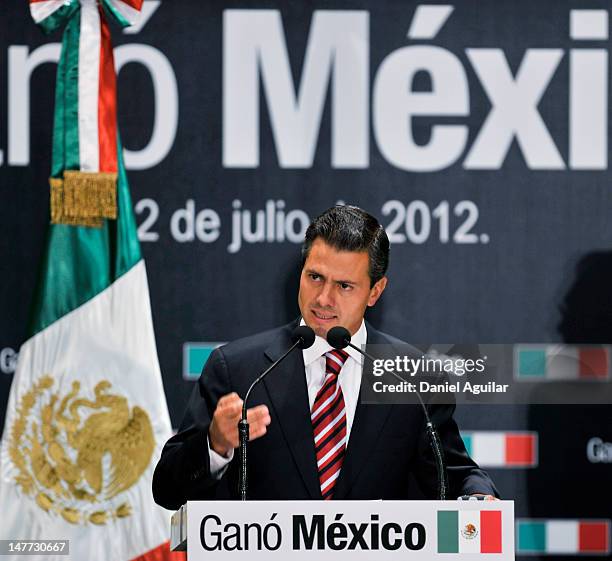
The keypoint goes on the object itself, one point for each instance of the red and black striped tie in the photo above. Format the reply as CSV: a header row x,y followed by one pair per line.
x,y
329,424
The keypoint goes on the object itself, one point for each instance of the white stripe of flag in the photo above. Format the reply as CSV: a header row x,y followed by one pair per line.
x,y
89,73
562,362
562,536
42,10
469,544
489,448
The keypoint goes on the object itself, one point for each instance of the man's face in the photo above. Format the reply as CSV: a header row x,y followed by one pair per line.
x,y
335,288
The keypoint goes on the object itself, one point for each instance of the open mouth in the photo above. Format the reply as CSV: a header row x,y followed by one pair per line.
x,y
324,316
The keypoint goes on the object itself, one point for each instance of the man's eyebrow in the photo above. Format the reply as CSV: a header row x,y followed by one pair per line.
x,y
314,272
339,281
353,283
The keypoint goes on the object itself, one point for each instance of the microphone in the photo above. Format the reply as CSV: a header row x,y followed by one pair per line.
x,y
339,338
302,338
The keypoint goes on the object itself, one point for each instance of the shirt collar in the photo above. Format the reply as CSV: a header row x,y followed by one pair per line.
x,y
321,346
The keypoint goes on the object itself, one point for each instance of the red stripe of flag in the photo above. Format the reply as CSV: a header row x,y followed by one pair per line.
x,y
136,4
162,553
520,450
593,537
490,531
593,362
107,101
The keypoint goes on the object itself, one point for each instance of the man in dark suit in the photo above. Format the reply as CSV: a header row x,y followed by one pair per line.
x,y
311,436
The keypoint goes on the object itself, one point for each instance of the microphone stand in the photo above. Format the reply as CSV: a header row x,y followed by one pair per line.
x,y
434,438
243,425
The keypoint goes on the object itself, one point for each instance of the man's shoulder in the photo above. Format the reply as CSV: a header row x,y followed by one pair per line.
x,y
258,342
279,338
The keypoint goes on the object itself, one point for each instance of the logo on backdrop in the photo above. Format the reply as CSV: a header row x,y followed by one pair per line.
x,y
337,66
8,360
598,451
71,450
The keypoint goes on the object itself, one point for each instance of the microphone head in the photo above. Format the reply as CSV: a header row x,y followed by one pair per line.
x,y
304,336
338,337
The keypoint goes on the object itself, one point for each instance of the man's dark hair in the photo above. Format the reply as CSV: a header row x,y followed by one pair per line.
x,y
349,228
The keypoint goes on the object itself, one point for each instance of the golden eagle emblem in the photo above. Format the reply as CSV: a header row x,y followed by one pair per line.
x,y
469,531
75,455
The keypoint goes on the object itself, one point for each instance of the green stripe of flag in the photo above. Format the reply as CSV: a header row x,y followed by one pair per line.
x,y
71,95
531,537
532,363
65,154
195,356
448,531
81,262
57,18
467,441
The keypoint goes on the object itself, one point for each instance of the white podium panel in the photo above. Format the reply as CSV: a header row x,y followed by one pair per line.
x,y
345,530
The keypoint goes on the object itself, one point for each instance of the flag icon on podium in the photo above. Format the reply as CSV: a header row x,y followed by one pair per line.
x,y
469,531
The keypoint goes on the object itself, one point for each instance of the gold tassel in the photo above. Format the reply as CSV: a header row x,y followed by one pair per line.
x,y
90,195
57,199
83,198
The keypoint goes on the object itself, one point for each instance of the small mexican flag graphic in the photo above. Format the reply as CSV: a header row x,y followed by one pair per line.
x,y
558,363
469,531
497,449
563,536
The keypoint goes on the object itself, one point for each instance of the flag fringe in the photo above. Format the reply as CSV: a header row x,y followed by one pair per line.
x,y
83,198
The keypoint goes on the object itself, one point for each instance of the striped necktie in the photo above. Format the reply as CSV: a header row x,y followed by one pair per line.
x,y
328,418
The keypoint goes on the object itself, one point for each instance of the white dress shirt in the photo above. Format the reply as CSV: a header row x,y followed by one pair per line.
x,y
314,365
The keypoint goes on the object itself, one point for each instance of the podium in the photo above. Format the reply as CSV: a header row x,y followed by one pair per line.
x,y
344,530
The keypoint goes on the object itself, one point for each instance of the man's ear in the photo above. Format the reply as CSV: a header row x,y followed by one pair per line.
x,y
376,291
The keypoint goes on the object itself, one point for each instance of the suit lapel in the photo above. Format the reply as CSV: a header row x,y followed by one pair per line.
x,y
289,397
367,425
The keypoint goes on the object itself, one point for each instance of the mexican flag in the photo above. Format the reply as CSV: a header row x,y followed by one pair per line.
x,y
87,415
514,449
563,536
469,531
559,363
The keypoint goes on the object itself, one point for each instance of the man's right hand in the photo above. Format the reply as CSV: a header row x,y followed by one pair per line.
x,y
223,430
